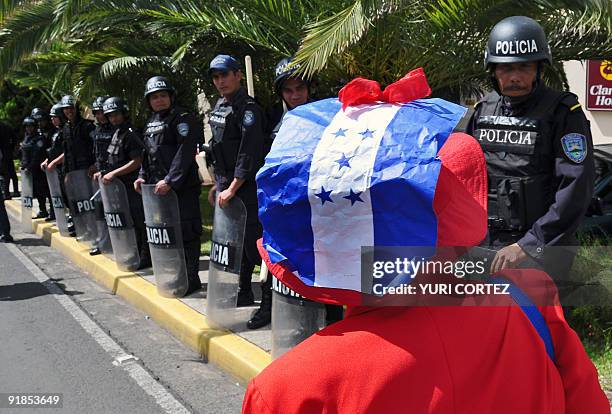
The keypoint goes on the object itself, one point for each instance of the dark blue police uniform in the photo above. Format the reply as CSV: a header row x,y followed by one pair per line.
x,y
539,154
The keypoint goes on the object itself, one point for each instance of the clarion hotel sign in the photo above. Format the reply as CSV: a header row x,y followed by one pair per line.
x,y
599,85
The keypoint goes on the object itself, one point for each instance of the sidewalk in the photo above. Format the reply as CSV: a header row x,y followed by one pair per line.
x,y
243,353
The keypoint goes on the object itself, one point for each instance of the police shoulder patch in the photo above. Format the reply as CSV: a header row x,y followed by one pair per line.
x,y
574,147
183,129
249,118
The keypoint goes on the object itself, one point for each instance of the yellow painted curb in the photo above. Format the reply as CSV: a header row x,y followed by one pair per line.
x,y
230,352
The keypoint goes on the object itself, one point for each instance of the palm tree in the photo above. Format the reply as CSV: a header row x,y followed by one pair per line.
x,y
382,39
106,46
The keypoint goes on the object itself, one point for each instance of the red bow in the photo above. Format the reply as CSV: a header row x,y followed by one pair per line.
x,y
364,91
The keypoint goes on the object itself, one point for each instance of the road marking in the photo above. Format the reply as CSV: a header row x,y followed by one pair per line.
x,y
161,396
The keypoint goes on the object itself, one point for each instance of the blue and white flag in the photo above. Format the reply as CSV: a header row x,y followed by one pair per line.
x,y
336,180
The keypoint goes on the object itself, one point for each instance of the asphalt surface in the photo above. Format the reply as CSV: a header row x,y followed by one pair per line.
x,y
88,358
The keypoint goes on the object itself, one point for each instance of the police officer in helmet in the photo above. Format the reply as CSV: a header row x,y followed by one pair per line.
x,y
33,152
101,137
539,152
238,126
170,137
122,160
102,133
77,143
56,148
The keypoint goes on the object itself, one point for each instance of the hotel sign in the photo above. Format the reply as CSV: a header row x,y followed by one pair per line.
x,y
599,85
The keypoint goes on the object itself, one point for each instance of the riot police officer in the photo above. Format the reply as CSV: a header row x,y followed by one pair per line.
x,y
171,136
77,142
238,126
45,129
123,161
33,152
56,149
101,137
539,152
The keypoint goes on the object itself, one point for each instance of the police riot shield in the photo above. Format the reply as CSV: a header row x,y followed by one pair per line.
x,y
27,201
103,241
79,190
165,238
57,201
229,225
294,318
120,224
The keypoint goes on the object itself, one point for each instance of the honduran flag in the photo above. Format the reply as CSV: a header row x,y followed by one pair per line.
x,y
338,179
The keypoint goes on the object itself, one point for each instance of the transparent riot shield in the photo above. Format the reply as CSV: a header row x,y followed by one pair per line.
x,y
229,225
57,201
294,318
27,201
79,190
120,224
165,237
103,241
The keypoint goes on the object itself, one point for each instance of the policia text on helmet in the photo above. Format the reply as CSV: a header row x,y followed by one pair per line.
x,y
516,51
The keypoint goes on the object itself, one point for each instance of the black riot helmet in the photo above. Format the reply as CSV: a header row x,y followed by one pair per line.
x,y
98,103
114,104
285,70
158,83
67,101
29,121
38,114
517,39
56,111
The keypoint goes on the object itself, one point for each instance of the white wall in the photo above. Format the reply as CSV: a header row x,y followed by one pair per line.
x,y
601,121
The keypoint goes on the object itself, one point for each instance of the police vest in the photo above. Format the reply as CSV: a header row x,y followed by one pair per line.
x,y
55,150
101,137
520,158
28,147
162,140
77,150
117,157
226,124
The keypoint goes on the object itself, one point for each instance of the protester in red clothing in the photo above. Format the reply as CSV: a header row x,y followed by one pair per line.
x,y
435,359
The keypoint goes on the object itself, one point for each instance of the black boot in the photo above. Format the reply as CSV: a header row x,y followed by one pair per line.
x,y
245,291
263,315
41,214
245,298
6,238
192,261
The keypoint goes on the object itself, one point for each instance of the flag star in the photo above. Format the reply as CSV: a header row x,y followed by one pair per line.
x,y
343,161
367,133
324,195
354,197
340,132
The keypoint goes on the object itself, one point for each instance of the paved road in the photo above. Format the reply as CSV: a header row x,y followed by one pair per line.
x,y
63,333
